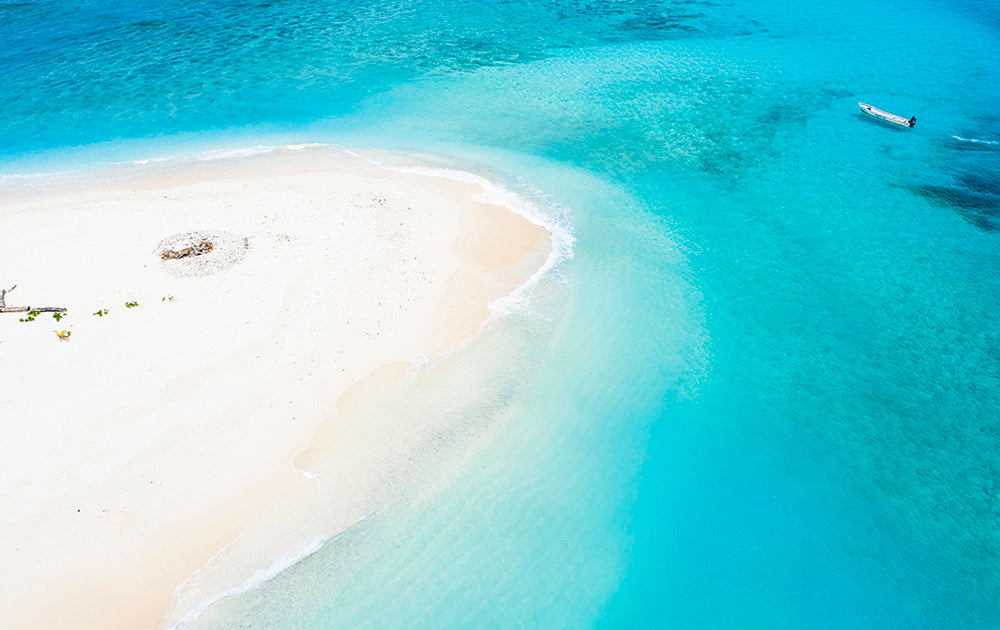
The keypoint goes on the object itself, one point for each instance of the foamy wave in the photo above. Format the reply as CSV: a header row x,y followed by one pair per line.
x,y
559,226
260,577
562,239
42,176
419,363
308,145
259,149
144,161
225,154
14,178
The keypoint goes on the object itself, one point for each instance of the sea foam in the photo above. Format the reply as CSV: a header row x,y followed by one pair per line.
x,y
293,556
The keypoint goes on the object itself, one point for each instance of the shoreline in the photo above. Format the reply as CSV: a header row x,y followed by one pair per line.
x,y
180,422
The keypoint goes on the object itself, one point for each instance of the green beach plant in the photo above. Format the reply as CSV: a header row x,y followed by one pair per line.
x,y
132,304
102,312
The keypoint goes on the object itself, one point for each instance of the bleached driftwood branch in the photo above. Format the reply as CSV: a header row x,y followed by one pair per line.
x,y
24,309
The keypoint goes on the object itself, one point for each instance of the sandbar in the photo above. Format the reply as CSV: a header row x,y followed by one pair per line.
x,y
149,438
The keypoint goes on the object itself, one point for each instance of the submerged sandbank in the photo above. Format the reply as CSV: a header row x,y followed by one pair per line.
x,y
148,441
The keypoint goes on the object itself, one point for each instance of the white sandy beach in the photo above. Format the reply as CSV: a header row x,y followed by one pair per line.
x,y
150,439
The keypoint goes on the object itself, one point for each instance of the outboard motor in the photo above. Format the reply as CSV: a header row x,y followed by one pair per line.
x,y
913,121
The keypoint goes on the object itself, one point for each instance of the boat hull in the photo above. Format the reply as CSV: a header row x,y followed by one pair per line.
x,y
886,116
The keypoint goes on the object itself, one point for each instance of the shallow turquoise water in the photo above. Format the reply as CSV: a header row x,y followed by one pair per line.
x,y
764,391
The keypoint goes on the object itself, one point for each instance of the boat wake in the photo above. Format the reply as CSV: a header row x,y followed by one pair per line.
x,y
976,143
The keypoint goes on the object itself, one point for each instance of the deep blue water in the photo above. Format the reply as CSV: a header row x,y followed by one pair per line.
x,y
765,390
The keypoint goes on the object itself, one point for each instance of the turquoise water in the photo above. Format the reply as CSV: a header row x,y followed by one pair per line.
x,y
763,392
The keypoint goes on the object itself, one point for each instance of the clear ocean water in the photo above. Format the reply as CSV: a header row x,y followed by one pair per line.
x,y
764,392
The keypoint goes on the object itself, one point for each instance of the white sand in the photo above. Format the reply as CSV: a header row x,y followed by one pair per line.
x,y
150,439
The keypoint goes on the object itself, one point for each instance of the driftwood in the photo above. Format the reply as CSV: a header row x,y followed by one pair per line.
x,y
195,250
24,309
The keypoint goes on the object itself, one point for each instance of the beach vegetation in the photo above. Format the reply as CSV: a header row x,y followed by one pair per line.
x,y
63,334
30,317
168,298
101,313
58,316
132,304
